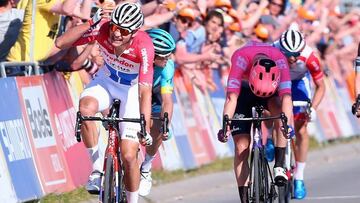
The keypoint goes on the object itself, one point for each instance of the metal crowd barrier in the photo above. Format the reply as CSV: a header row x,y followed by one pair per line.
x,y
31,68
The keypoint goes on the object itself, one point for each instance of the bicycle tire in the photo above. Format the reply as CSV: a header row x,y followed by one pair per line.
x,y
256,182
121,189
265,184
109,195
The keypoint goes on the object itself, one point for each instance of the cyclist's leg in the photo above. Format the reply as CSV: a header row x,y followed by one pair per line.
x,y
241,137
301,92
92,100
274,106
129,144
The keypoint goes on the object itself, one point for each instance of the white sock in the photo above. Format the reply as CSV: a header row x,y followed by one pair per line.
x,y
132,197
94,156
146,165
299,173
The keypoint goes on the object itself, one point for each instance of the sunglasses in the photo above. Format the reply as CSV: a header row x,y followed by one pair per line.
x,y
185,20
276,4
124,32
290,54
158,57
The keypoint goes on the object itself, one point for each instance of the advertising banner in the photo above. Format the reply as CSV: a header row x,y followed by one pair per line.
x,y
49,160
6,187
181,138
64,115
195,132
15,145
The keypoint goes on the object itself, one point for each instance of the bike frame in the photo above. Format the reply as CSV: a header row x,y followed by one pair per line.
x,y
259,167
112,151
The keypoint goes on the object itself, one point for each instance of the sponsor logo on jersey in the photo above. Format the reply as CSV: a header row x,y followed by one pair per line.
x,y
241,63
281,63
234,83
144,56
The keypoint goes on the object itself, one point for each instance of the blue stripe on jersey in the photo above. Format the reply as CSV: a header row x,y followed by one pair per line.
x,y
120,77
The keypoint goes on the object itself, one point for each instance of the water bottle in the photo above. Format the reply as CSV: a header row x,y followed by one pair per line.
x,y
269,150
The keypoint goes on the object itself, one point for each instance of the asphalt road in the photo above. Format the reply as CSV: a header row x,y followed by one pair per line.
x,y
332,175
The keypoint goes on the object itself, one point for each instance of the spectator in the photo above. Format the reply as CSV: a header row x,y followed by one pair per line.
x,y
10,24
46,26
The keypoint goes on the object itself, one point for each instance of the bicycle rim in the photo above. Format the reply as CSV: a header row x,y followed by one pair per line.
x,y
109,184
265,194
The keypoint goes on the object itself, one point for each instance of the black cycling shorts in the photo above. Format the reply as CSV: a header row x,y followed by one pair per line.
x,y
246,100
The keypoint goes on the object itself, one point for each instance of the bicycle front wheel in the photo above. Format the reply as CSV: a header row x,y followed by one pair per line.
x,y
109,184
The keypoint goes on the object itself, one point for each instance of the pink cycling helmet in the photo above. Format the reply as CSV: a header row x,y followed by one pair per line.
x,y
264,77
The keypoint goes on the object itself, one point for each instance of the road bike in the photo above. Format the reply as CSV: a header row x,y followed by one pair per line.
x,y
112,187
261,185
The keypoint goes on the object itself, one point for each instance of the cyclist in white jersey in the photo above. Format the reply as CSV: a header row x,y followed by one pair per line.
x,y
126,75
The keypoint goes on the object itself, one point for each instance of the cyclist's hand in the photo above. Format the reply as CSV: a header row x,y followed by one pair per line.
x,y
145,140
96,18
165,135
290,132
312,114
355,111
224,137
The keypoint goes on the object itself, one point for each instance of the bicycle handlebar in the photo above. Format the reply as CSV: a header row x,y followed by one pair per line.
x,y
165,122
282,117
80,119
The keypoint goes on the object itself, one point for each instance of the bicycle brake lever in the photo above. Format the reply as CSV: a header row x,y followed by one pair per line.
x,y
78,126
165,123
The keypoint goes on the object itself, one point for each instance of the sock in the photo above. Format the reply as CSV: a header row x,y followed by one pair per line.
x,y
243,192
146,165
279,156
299,172
94,156
132,197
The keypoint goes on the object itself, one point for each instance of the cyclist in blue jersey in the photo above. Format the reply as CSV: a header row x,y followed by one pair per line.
x,y
164,69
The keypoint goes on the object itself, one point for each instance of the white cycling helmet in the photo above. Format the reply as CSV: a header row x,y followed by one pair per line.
x,y
292,41
128,16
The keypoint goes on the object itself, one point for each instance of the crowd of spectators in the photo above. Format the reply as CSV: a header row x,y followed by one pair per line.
x,y
206,31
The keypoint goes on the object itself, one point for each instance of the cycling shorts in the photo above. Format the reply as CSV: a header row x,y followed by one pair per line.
x,y
246,100
301,91
104,90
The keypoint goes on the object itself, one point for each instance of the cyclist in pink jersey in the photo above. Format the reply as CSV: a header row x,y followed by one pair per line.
x,y
127,75
259,75
304,65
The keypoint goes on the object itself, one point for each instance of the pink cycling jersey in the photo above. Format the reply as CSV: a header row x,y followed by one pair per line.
x,y
134,66
241,63
306,61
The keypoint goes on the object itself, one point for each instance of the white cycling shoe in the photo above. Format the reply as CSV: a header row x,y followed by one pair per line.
x,y
280,176
145,183
93,184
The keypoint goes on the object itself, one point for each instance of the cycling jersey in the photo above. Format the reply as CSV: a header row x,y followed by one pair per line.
x,y
163,84
307,61
241,63
120,75
134,66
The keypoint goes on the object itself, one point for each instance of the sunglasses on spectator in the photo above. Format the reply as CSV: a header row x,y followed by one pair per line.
x,y
124,32
185,20
277,4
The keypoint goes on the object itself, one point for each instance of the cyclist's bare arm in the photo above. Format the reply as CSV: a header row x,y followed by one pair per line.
x,y
145,92
230,104
287,108
71,36
319,93
167,105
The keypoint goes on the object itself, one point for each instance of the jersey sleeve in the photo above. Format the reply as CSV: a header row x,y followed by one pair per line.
x,y
313,65
239,64
285,80
92,34
146,61
167,78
